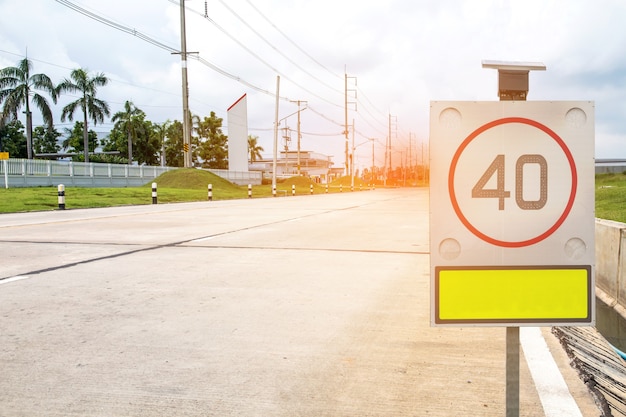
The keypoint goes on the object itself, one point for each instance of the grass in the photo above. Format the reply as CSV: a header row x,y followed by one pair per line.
x,y
182,185
185,185
611,197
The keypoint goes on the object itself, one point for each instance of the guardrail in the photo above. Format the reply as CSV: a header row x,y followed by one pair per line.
x,y
611,262
41,173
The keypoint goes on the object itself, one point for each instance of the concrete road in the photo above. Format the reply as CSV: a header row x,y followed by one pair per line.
x,y
291,306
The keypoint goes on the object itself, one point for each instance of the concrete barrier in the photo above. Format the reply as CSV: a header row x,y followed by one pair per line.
x,y
610,253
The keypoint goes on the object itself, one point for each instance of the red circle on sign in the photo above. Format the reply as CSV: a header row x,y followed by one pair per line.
x,y
459,212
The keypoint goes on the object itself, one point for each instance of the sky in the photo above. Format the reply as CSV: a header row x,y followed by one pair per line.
x,y
394,56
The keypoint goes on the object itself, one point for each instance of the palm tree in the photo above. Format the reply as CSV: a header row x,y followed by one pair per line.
x,y
92,107
254,149
160,131
131,121
16,90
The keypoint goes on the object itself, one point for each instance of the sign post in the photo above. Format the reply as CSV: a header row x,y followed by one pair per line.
x,y
512,218
4,157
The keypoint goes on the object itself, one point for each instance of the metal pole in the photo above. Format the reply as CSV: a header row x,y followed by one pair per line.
x,y
183,63
275,136
299,137
389,144
373,177
346,120
512,372
352,160
423,165
410,163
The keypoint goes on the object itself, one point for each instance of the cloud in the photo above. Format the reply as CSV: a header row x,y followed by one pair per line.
x,y
402,54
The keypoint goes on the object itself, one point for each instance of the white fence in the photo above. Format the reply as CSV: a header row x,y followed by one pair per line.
x,y
42,173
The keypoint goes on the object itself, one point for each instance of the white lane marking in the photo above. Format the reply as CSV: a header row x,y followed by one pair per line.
x,y
13,279
555,397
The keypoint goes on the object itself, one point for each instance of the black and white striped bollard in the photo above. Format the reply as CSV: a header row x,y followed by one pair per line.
x,y
274,191
154,193
249,190
293,189
311,189
210,192
61,194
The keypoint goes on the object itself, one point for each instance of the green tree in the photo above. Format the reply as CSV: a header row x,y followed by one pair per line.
x,y
116,141
131,121
45,140
74,141
213,146
92,107
140,132
17,87
12,139
148,145
254,149
174,144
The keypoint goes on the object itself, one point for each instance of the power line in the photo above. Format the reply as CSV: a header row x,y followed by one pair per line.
x,y
292,42
170,49
161,45
134,32
117,26
321,65
275,48
255,55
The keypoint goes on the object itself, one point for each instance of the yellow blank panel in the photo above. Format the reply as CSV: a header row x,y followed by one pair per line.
x,y
513,294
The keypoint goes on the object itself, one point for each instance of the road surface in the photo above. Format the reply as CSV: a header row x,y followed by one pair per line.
x,y
290,306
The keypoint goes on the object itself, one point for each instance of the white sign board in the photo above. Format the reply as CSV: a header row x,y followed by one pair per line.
x,y
238,135
512,212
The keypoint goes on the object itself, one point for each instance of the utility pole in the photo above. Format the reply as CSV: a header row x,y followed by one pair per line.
x,y
385,163
410,165
352,160
275,136
373,177
346,116
299,102
346,131
389,142
183,64
423,165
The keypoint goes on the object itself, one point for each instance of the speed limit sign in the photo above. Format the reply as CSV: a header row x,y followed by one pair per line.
x,y
512,213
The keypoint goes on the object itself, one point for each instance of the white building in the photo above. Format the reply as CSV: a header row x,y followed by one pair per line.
x,y
309,164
